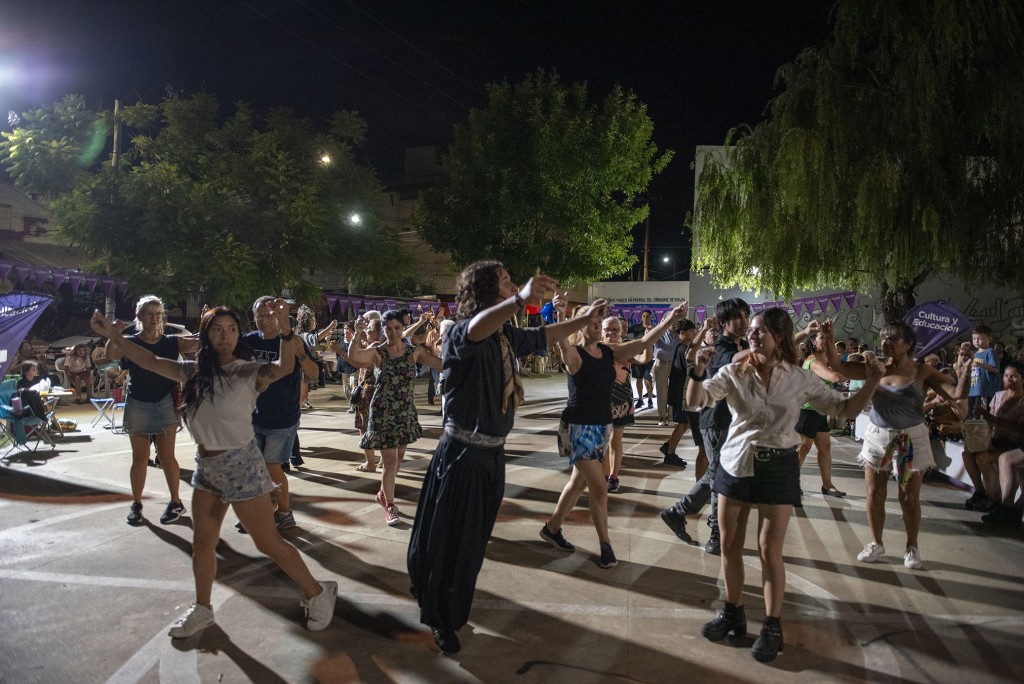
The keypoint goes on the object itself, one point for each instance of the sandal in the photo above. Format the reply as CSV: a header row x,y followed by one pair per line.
x,y
364,468
832,491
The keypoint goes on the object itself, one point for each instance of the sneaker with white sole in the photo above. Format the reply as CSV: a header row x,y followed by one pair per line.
x,y
391,515
173,511
194,621
284,521
912,558
320,608
872,553
556,539
608,559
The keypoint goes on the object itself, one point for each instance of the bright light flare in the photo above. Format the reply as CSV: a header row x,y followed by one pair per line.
x,y
355,219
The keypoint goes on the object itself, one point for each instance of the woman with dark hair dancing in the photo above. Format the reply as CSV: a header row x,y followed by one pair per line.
x,y
393,423
812,426
221,387
897,437
759,462
465,481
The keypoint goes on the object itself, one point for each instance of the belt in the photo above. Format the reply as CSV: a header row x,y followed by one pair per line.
x,y
767,453
473,438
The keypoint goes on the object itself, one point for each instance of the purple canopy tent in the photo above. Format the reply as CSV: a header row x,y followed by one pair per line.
x,y
18,313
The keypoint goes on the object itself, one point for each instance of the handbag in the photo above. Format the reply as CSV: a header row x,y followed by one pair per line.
x,y
977,435
356,393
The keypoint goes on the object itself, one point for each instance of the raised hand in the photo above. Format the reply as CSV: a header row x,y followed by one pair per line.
x,y
703,357
598,309
874,369
104,326
537,288
561,302
680,312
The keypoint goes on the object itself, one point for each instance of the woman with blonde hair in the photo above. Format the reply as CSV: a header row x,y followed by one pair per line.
x,y
149,411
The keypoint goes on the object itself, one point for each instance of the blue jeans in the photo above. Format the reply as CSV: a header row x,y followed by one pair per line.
x,y
276,443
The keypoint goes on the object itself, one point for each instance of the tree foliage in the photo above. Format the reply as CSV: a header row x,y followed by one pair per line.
x,y
239,206
542,177
893,151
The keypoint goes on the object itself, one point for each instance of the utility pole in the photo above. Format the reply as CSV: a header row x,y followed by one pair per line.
x,y
647,243
110,304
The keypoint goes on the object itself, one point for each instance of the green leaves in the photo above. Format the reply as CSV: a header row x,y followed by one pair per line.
x,y
888,153
235,207
542,177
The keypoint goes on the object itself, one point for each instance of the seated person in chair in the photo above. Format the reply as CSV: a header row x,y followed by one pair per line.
x,y
78,366
28,389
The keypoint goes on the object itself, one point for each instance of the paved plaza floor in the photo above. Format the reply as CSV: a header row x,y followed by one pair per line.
x,y
84,597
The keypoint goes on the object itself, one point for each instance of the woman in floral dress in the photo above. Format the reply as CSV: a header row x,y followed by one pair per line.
x,y
365,384
392,421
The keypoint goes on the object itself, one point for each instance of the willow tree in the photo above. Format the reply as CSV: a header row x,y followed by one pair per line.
x,y
891,152
543,177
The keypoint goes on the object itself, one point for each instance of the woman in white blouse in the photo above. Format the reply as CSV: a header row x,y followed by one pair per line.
x,y
221,387
765,389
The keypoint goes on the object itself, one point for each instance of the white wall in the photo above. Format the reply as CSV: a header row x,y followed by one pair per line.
x,y
658,294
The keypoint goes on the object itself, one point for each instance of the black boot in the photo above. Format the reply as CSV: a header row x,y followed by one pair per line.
x,y
714,545
1003,516
677,523
731,619
769,644
447,641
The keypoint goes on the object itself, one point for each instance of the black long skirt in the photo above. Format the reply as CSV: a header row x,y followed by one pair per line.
x,y
458,505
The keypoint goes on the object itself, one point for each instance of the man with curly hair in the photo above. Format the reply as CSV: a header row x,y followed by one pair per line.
x,y
465,482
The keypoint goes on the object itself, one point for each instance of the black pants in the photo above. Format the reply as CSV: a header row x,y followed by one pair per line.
x,y
458,505
702,492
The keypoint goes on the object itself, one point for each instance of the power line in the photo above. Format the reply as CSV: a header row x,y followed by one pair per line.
x,y
347,65
396,35
375,50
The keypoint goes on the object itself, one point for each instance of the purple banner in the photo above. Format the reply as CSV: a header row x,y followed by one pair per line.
x,y
936,323
5,269
797,304
701,312
837,301
822,304
851,299
18,313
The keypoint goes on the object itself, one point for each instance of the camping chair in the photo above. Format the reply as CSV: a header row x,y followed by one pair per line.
x,y
20,429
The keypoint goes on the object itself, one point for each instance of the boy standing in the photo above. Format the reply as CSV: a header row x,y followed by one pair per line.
x,y
985,372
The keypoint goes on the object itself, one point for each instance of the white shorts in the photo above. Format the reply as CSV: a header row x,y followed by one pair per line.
x,y
877,441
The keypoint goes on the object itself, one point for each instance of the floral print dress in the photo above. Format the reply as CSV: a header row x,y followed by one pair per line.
x,y
393,421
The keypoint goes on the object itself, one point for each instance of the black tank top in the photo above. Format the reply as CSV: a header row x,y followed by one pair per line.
x,y
590,390
144,385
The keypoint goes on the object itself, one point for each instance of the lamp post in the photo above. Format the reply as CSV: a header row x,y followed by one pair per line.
x,y
672,259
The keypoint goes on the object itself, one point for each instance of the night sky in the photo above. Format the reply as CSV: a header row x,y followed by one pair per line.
x,y
412,68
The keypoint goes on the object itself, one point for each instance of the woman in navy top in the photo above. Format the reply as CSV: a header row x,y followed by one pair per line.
x,y
586,421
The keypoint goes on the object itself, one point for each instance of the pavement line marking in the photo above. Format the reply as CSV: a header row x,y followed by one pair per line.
x,y
88,509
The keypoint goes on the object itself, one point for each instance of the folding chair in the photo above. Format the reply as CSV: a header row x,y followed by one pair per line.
x,y
20,429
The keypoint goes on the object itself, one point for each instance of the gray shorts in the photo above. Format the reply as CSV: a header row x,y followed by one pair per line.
x,y
236,475
150,417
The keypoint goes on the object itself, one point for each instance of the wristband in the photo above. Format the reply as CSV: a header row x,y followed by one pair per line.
x,y
289,337
698,378
519,301
302,357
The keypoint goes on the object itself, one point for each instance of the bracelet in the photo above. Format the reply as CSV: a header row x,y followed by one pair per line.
x,y
519,301
289,337
302,357
697,378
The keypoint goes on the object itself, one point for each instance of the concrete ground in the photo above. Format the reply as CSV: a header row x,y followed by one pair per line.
x,y
85,597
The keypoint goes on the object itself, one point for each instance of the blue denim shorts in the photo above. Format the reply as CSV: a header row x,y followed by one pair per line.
x,y
276,443
150,418
236,475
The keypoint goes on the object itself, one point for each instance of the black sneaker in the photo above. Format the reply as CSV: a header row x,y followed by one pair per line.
x,y
674,460
613,484
714,545
639,403
286,467
172,512
607,556
297,461
447,641
769,644
135,513
556,539
650,403
677,523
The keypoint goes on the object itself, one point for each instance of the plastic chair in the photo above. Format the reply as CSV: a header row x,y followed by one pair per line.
x,y
20,429
58,368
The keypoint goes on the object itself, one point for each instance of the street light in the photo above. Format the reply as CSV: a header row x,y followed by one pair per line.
x,y
355,219
672,260
325,159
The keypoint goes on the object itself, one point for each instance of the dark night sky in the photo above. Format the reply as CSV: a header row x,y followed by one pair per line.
x,y
412,68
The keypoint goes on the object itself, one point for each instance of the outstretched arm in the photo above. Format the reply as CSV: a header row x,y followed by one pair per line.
x,y
490,320
125,348
629,349
289,350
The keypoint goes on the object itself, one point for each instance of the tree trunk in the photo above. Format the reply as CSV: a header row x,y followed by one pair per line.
x,y
901,297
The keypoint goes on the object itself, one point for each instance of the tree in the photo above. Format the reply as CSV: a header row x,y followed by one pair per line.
x,y
892,152
542,177
236,206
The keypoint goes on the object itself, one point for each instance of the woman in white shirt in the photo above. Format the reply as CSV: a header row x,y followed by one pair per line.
x,y
765,390
221,387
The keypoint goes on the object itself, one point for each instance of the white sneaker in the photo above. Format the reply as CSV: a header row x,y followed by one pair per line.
x,y
192,622
662,423
320,608
912,558
871,553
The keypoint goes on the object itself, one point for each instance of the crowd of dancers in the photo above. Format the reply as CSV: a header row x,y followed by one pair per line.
x,y
738,383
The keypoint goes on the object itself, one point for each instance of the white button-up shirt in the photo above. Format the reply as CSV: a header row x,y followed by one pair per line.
x,y
763,416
